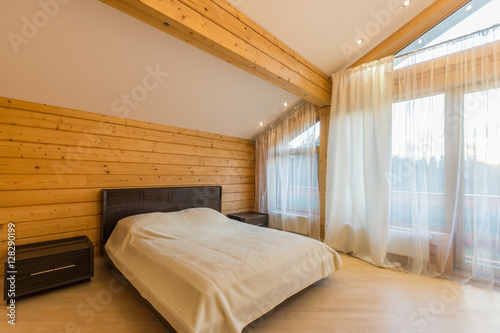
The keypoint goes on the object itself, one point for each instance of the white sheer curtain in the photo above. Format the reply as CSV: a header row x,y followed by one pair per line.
x,y
287,173
445,186
358,165
444,151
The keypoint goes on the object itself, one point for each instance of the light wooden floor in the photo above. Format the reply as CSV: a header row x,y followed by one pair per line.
x,y
358,298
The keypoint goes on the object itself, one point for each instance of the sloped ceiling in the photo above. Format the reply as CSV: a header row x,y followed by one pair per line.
x,y
325,31
85,55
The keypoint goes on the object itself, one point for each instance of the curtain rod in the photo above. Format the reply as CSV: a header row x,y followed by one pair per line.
x,y
280,120
451,41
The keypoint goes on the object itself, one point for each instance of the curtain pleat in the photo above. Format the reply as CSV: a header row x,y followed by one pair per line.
x,y
287,173
413,177
358,164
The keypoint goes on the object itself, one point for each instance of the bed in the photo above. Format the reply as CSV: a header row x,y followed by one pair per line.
x,y
201,271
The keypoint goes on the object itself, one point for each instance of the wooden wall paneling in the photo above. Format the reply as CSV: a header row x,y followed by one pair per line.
x,y
77,153
47,197
89,140
247,196
31,181
324,118
47,212
49,121
105,119
238,205
55,161
59,196
46,166
53,226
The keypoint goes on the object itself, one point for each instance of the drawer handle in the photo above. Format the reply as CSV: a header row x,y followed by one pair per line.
x,y
64,267
52,270
42,272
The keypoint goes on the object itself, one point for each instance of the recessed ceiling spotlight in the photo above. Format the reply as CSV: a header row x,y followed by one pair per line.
x,y
261,124
166,24
285,104
285,85
359,42
406,3
469,7
420,41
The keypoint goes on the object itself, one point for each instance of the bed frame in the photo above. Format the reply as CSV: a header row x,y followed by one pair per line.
x,y
120,203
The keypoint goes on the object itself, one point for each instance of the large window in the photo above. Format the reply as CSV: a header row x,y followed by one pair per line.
x,y
301,185
287,172
446,171
481,182
418,154
476,15
445,184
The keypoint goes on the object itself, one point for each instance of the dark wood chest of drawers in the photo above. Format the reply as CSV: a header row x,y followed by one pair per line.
x,y
41,266
259,219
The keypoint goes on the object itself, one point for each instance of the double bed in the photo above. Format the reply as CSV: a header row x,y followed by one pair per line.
x,y
201,271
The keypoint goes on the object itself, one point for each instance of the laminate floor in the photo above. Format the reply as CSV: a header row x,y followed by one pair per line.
x,y
357,298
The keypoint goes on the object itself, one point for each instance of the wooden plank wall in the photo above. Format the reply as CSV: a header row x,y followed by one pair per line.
x,y
324,122
55,161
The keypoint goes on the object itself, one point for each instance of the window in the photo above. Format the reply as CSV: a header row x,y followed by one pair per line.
x,y
474,16
446,168
481,169
446,140
301,186
310,135
418,147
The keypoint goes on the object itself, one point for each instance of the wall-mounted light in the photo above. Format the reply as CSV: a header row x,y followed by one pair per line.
x,y
469,7
420,41
406,3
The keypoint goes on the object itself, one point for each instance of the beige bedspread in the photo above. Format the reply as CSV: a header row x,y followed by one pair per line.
x,y
206,273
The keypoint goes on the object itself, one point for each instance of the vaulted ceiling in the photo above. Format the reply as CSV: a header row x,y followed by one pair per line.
x,y
86,55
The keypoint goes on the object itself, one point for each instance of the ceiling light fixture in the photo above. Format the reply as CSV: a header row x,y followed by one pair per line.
x,y
285,104
420,41
406,3
469,7
261,124
359,42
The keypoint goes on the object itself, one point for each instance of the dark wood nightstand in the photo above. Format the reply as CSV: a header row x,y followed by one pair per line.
x,y
45,265
259,219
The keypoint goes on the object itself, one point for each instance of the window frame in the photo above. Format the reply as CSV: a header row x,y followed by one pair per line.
x,y
434,72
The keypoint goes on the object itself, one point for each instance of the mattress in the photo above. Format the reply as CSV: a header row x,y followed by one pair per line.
x,y
206,273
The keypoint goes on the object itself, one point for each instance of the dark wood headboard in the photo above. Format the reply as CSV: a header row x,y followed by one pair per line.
x,y
120,203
